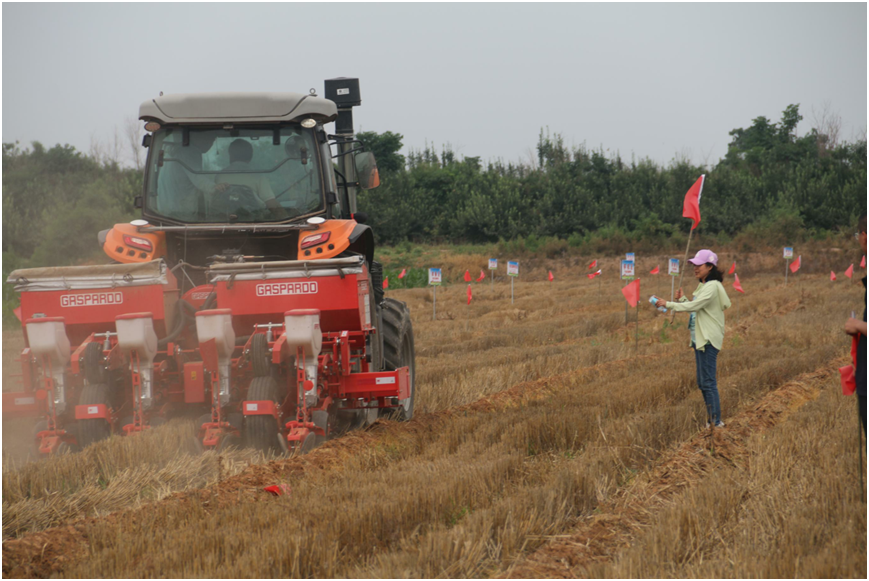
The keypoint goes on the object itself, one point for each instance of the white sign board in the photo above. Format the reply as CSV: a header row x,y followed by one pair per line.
x,y
630,257
493,264
628,269
789,253
434,276
513,268
673,266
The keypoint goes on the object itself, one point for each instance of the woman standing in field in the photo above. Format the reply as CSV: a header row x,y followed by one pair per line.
x,y
707,327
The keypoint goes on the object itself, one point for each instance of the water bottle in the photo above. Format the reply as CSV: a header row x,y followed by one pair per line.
x,y
655,303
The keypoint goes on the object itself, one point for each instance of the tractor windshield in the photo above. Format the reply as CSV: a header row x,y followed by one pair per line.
x,y
241,174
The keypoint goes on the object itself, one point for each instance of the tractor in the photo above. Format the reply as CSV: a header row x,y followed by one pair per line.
x,y
247,295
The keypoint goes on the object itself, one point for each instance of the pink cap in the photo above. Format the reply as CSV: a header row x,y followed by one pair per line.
x,y
703,257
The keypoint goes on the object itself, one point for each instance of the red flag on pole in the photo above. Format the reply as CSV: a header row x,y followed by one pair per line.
x,y
594,274
632,292
467,276
832,275
593,264
469,294
795,265
386,283
655,270
863,262
691,205
736,284
850,271
403,273
732,268
482,276
551,278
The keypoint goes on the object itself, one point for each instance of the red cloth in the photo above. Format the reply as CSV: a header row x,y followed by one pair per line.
x,y
632,292
849,381
386,283
467,276
403,273
850,271
736,284
594,274
732,269
482,276
691,205
832,275
795,265
551,278
655,270
593,264
17,311
469,294
863,262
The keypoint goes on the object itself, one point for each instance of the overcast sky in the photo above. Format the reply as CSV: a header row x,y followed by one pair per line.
x,y
649,80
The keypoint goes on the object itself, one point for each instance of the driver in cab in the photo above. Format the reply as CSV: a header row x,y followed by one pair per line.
x,y
240,156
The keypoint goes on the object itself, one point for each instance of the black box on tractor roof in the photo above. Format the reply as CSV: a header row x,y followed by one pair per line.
x,y
344,92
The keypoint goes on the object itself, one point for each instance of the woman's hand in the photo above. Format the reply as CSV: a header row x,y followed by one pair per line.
x,y
679,293
855,326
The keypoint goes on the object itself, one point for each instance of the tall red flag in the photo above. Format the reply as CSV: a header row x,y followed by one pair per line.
x,y
482,276
467,276
832,275
593,264
551,278
736,284
386,283
403,273
655,270
863,262
691,205
795,265
594,274
632,292
732,268
469,294
850,271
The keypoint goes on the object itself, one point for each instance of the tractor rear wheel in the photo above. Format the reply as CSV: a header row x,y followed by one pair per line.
x,y
260,356
398,351
90,431
259,431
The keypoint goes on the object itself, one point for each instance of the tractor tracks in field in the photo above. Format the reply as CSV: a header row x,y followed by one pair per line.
x,y
618,521
49,552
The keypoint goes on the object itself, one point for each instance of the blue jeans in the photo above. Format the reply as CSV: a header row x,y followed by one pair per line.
x,y
707,368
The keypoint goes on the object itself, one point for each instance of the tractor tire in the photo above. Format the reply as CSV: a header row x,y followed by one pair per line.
x,y
259,431
398,351
90,431
260,356
94,371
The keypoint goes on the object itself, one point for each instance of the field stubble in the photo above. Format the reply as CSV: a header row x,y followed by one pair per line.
x,y
535,419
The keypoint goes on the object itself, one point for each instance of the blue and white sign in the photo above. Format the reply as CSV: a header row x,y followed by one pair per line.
x,y
493,264
673,267
630,257
513,268
628,270
434,276
789,253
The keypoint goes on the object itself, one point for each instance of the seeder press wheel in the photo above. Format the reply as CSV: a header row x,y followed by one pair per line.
x,y
261,432
94,430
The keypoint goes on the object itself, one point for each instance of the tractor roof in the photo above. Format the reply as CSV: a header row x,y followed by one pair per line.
x,y
237,107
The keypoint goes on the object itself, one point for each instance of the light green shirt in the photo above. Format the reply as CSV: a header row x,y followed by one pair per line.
x,y
710,301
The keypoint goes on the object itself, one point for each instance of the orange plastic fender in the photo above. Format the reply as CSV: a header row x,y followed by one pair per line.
x,y
330,239
126,244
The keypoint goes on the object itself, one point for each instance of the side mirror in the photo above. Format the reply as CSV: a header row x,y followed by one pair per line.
x,y
366,170
146,140
138,202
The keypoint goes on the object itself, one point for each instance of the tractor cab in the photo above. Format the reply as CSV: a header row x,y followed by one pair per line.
x,y
248,177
